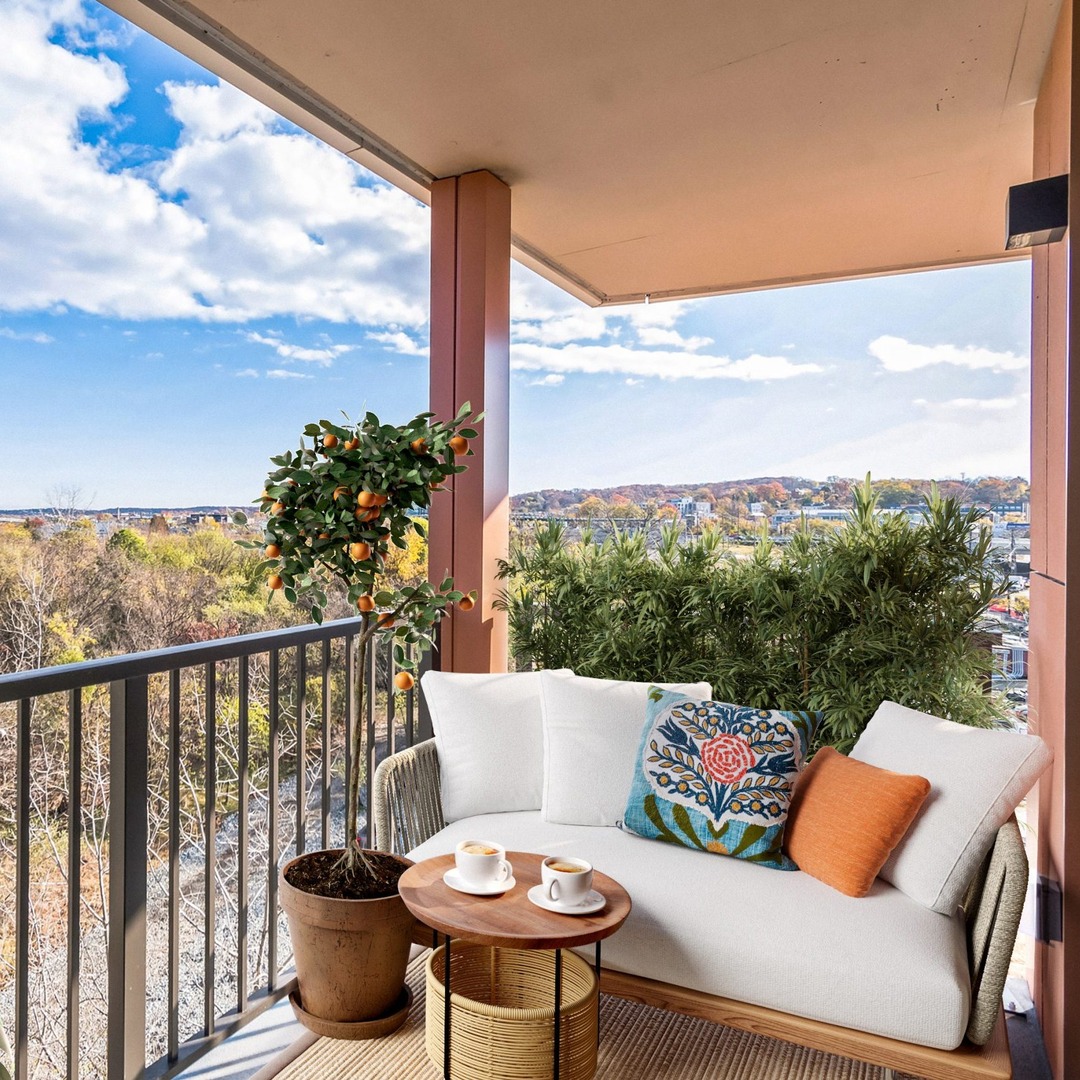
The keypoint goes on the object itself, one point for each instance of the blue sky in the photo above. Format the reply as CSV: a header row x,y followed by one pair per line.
x,y
185,280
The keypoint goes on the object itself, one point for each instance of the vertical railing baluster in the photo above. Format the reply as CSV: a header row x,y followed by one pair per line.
x,y
324,803
173,1034
351,720
391,699
128,774
301,749
74,882
21,1034
210,850
370,689
242,780
272,825
424,729
410,706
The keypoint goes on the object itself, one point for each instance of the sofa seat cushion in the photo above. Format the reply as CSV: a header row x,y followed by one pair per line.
x,y
883,963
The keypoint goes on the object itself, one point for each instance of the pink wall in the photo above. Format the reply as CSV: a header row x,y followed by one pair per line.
x,y
1054,697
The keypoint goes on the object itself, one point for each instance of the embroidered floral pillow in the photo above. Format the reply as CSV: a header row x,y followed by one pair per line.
x,y
717,777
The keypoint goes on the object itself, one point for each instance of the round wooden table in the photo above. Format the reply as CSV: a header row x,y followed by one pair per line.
x,y
509,921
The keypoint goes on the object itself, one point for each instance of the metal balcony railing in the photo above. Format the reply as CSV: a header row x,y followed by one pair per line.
x,y
196,752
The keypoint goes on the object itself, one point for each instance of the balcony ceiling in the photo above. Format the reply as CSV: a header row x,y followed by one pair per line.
x,y
678,148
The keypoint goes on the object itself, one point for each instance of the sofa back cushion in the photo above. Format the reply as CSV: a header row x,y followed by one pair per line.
x,y
977,779
847,816
718,777
592,731
490,740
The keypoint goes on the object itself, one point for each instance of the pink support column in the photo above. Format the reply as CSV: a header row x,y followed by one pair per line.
x,y
470,361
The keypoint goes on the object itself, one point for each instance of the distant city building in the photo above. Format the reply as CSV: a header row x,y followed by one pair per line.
x,y
692,511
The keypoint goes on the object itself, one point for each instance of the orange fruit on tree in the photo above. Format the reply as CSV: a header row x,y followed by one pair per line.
x,y
329,440
372,514
459,444
324,536
365,499
418,446
366,602
272,551
404,681
381,500
274,581
359,551
387,620
466,603
435,486
277,507
339,491
265,496
352,444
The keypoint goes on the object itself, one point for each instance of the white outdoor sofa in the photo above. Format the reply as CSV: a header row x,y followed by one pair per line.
x,y
881,979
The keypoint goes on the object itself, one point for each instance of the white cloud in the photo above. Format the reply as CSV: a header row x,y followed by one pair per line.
x,y
548,380
245,219
624,360
37,338
400,342
896,354
981,437
205,113
961,405
662,313
324,356
588,324
247,373
658,335
284,373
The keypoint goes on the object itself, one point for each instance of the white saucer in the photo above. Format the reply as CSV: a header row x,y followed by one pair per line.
x,y
459,884
589,906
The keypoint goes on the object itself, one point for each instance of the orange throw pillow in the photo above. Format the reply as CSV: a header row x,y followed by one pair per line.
x,y
846,817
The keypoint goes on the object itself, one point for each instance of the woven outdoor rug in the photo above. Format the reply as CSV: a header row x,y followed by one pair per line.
x,y
636,1043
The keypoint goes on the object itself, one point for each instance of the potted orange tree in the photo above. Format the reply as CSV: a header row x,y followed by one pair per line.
x,y
334,508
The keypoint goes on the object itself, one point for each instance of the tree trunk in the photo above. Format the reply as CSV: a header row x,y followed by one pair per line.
x,y
353,857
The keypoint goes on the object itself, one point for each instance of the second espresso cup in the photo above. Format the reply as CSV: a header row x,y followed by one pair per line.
x,y
566,881
482,863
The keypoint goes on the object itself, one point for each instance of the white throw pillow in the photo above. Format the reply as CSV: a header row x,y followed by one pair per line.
x,y
490,741
592,735
977,779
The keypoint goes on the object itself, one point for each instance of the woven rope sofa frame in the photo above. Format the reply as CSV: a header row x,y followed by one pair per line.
x,y
407,805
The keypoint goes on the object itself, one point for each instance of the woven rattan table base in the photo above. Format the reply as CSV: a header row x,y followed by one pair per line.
x,y
632,1037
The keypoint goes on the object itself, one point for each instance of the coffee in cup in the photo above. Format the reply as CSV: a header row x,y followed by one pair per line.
x,y
566,881
479,849
482,863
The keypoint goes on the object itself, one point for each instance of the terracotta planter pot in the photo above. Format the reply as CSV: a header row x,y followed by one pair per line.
x,y
350,955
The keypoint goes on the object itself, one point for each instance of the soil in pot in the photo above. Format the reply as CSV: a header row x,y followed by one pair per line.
x,y
320,873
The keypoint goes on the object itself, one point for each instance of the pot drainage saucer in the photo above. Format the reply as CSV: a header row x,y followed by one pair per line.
x,y
355,1029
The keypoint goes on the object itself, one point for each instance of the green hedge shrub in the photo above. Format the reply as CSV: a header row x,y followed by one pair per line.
x,y
882,608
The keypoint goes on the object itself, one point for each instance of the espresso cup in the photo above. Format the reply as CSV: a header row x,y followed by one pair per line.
x,y
566,881
481,862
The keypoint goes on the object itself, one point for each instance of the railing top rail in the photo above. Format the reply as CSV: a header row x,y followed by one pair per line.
x,y
27,684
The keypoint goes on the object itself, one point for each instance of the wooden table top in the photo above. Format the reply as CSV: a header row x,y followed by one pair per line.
x,y
512,920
